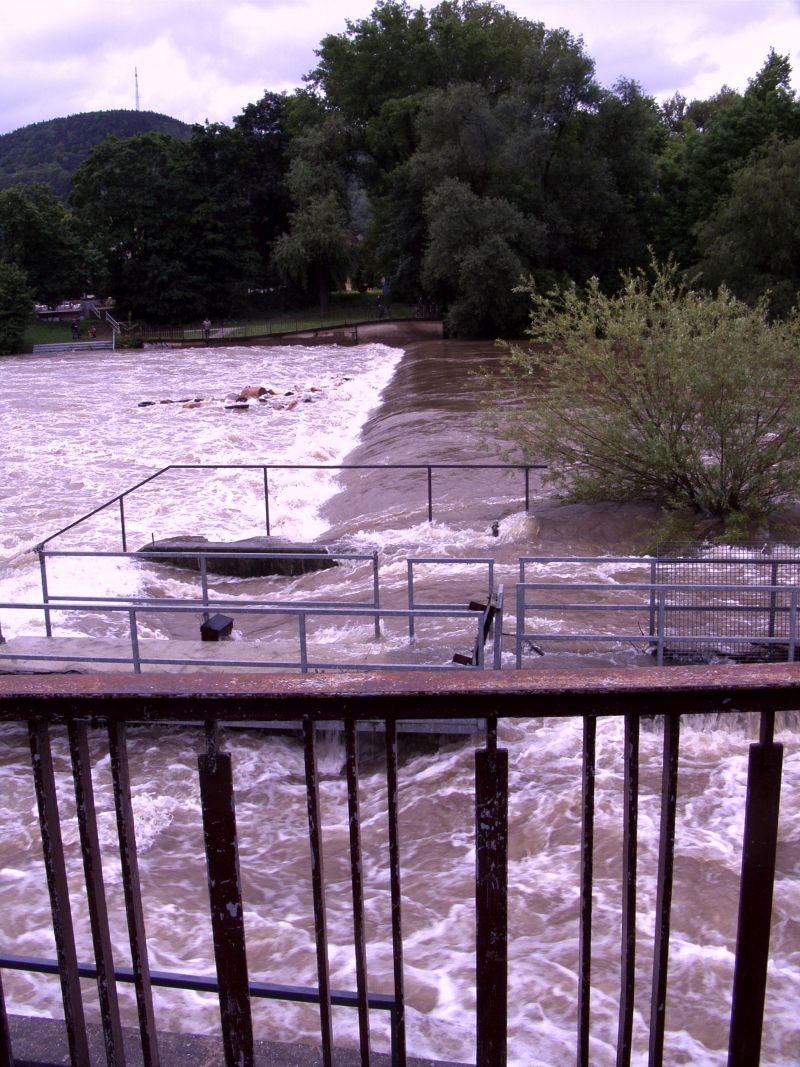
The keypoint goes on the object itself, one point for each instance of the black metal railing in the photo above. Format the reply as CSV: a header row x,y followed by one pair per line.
x,y
99,705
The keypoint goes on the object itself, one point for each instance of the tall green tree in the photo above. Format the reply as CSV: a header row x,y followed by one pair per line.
x,y
132,199
752,241
717,138
319,243
38,235
264,126
16,306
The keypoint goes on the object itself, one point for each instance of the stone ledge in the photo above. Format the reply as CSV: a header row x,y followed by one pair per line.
x,y
43,1043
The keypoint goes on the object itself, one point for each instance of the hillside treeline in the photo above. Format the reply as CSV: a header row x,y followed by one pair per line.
x,y
445,155
49,153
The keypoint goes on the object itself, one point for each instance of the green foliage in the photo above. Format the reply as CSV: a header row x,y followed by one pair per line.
x,y
16,305
660,393
49,153
178,227
38,235
716,139
320,239
475,255
752,241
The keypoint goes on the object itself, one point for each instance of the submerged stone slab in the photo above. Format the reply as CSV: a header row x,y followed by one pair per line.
x,y
260,556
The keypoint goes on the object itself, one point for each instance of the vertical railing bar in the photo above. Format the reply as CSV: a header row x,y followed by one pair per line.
x,y
653,576
393,815
135,654
773,599
225,900
266,498
318,887
792,651
410,584
497,633
628,940
376,593
666,864
527,489
661,627
48,628
118,749
303,638
757,883
356,875
55,868
430,493
203,561
520,628
123,531
95,890
587,877
491,901
6,1054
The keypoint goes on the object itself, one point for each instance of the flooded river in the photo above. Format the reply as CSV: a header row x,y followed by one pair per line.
x,y
75,434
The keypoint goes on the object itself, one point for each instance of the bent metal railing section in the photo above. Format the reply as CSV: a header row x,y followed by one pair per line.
x,y
264,468
97,704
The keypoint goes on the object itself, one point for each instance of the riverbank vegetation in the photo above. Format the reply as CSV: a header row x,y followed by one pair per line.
x,y
437,154
660,392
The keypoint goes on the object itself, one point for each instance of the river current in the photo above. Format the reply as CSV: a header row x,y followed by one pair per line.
x,y
74,435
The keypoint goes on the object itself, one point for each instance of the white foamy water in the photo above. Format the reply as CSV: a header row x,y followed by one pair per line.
x,y
74,436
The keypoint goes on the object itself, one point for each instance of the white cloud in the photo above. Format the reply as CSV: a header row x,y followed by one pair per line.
x,y
201,59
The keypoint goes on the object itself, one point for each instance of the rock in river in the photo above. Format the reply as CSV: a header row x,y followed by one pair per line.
x,y
254,563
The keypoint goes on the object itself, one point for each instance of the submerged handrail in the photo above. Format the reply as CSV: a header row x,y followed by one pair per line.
x,y
265,468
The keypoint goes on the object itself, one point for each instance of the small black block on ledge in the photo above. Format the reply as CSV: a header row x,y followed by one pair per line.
x,y
216,628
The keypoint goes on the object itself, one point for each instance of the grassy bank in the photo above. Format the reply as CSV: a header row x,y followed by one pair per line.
x,y
344,308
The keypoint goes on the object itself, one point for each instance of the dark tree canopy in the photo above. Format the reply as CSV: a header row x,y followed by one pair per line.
x,y
438,153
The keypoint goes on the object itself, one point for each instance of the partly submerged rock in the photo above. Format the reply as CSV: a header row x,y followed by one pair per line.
x,y
253,563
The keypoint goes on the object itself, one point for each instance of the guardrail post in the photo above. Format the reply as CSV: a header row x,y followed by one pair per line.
x,y
430,493
376,593
491,898
135,657
203,561
95,892
661,627
122,524
48,628
6,1056
318,889
773,599
266,498
630,824
58,888
225,894
762,807
410,567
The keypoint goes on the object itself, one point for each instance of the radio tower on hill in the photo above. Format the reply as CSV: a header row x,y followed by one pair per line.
x,y
136,82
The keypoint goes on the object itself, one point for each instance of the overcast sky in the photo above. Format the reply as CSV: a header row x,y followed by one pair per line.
x,y
207,59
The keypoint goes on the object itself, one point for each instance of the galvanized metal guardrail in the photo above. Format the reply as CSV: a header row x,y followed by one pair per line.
x,y
486,623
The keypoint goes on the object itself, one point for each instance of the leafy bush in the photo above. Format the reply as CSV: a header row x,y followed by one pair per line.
x,y
661,393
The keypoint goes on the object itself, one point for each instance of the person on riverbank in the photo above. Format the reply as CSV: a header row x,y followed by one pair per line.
x,y
206,327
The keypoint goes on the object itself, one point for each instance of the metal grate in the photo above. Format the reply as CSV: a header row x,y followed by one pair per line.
x,y
742,618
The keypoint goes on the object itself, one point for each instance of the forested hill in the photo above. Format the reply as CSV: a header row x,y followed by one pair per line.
x,y
50,152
